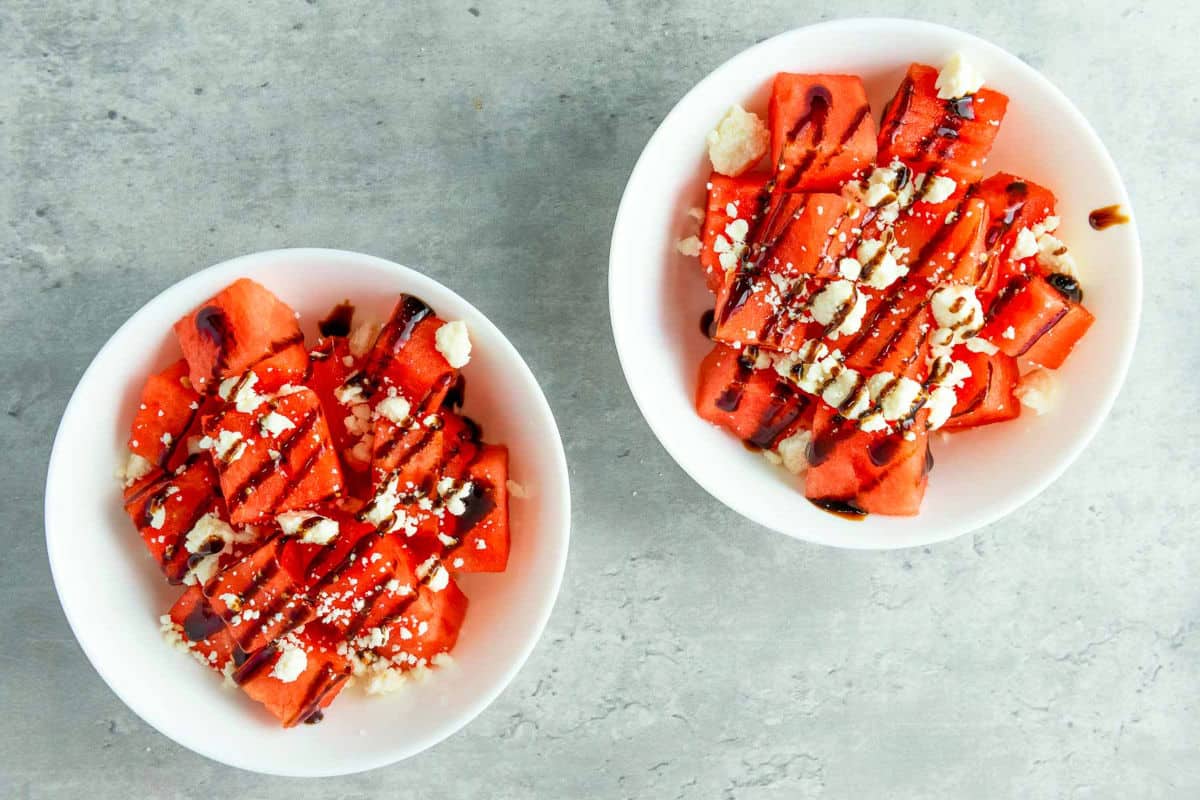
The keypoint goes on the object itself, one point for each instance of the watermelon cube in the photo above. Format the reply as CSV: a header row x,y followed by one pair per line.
x,y
822,132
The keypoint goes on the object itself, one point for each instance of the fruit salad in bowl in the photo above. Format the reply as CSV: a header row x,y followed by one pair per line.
x,y
871,285
914,309
324,501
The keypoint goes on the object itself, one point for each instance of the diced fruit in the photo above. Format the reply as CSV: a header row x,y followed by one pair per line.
x,y
167,408
952,251
855,472
805,236
203,628
277,457
477,539
895,335
1031,319
1014,204
822,132
718,241
428,627
369,584
240,326
929,133
314,680
756,405
987,395
290,366
258,598
405,356
166,509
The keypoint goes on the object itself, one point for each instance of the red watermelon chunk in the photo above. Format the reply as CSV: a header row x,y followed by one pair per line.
x,y
405,356
167,409
274,458
822,132
371,582
986,396
228,334
741,195
895,335
946,136
427,627
852,471
475,529
259,598
1013,204
755,405
1031,319
296,677
166,509
202,630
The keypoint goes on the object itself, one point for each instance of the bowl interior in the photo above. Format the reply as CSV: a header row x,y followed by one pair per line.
x,y
113,594
657,296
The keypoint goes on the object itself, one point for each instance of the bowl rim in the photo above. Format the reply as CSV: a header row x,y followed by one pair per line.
x,y
198,743
1121,360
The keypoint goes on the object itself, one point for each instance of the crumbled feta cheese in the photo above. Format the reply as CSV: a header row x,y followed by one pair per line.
x,y
350,393
1037,390
312,527
208,529
434,574
1054,256
892,397
941,403
849,268
136,468
1009,333
383,504
363,337
229,446
958,79
454,343
273,423
840,300
240,391
879,263
689,247
516,490
291,664
454,495
793,451
977,344
936,189
958,313
1025,246
394,409
738,142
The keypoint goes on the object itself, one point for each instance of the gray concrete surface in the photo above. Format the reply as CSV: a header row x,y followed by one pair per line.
x,y
692,654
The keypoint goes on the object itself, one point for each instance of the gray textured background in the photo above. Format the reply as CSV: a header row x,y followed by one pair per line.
x,y
692,654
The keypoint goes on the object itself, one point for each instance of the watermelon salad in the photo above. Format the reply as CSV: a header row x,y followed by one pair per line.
x,y
872,285
315,500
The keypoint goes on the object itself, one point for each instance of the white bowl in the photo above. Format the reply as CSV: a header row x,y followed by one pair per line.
x,y
656,296
113,593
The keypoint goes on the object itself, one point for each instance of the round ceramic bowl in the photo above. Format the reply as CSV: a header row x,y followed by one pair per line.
x,y
657,296
113,593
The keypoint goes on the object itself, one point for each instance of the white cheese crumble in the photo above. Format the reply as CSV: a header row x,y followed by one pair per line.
x,y
1037,391
313,528
516,490
977,344
273,423
738,141
454,495
689,247
454,343
229,446
291,664
136,467
208,528
958,313
1009,333
240,391
936,188
958,78
879,262
363,337
434,574
1025,246
394,409
793,452
840,298
849,268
